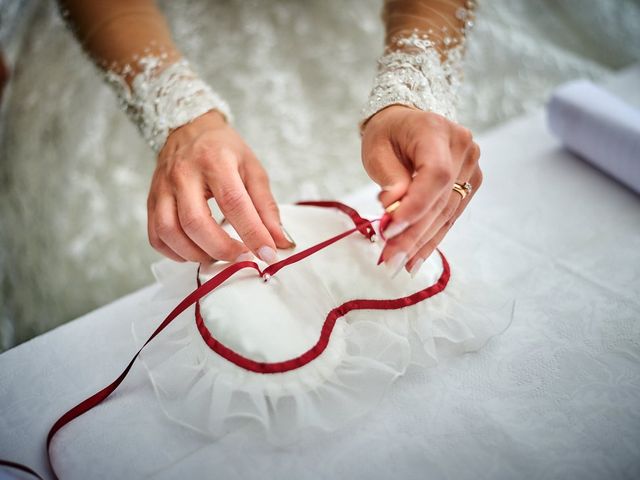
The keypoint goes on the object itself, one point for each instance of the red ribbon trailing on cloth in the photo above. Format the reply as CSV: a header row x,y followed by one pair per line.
x,y
362,225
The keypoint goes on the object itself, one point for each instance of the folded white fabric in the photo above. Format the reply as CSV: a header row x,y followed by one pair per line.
x,y
599,127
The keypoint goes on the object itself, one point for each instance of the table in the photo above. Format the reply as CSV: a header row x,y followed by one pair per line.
x,y
556,396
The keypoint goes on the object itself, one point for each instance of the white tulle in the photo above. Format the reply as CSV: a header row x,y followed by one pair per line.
x,y
282,318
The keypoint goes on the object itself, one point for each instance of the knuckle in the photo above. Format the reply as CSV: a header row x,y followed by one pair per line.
x,y
178,171
230,199
476,151
223,155
434,121
442,173
465,136
250,233
192,222
165,228
155,241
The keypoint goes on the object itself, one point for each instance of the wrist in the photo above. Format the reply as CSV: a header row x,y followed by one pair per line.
x,y
161,100
415,75
385,112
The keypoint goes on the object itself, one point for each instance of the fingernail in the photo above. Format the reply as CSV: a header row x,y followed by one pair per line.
x,y
416,267
267,254
395,228
244,257
396,263
288,236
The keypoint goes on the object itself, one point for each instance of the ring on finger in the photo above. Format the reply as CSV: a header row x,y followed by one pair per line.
x,y
463,189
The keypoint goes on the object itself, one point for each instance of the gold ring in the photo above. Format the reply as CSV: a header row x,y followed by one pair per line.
x,y
463,189
392,207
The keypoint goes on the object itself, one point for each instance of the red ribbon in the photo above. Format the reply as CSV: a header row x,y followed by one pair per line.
x,y
362,225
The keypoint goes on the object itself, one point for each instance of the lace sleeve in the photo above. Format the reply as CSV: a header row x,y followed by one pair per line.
x,y
131,42
421,66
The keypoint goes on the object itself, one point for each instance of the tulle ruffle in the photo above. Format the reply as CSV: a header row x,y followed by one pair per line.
x,y
367,351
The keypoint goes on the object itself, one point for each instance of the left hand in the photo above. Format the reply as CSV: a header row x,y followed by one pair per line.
x,y
416,156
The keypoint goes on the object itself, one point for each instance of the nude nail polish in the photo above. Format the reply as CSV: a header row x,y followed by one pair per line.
x,y
396,263
267,254
287,235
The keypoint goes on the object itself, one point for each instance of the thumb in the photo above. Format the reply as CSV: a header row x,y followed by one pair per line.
x,y
387,170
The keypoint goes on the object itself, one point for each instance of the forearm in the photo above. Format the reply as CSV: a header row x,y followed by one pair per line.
x,y
117,33
444,22
422,63
131,42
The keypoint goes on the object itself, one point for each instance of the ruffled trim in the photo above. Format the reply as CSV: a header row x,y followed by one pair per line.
x,y
199,389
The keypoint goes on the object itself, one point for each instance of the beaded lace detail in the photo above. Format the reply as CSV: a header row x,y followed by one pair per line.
x,y
413,72
160,100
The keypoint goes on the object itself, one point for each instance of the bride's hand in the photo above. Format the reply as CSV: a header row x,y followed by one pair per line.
x,y
416,157
203,159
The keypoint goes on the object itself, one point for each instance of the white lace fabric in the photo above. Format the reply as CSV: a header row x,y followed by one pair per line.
x,y
367,351
419,78
162,98
421,67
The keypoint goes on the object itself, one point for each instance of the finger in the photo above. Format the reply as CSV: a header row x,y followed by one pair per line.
x,y
154,239
404,246
196,221
455,203
384,168
161,247
433,239
257,183
446,219
401,248
167,229
237,207
428,191
440,160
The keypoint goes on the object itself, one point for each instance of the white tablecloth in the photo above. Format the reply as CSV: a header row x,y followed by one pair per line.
x,y
556,396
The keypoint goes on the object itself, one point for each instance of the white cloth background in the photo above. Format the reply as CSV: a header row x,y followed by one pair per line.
x,y
556,396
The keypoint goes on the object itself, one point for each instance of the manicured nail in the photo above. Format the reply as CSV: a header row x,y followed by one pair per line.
x,y
244,257
395,228
288,236
416,267
267,254
396,263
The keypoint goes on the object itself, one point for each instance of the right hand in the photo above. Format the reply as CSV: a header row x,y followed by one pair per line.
x,y
203,159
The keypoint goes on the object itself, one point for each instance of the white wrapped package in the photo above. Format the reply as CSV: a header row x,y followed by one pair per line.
x,y
599,127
